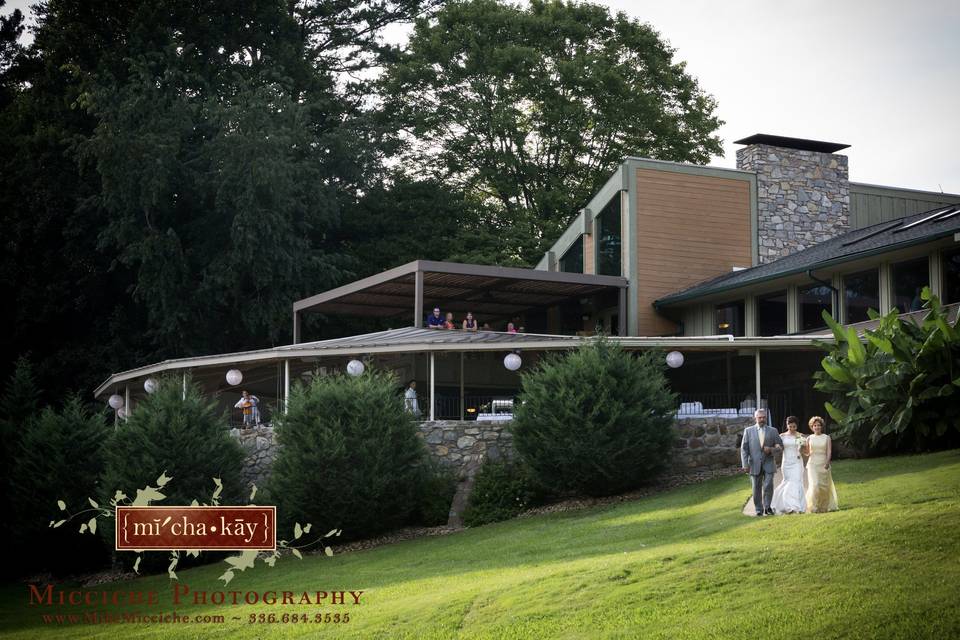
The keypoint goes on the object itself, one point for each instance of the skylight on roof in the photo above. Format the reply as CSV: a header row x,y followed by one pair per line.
x,y
872,233
949,214
928,218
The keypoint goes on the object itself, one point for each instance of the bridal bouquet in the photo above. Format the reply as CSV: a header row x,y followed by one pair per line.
x,y
801,443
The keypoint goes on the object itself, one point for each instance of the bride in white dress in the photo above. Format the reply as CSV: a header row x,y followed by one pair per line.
x,y
789,497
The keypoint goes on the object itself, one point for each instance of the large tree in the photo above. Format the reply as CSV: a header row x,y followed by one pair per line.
x,y
172,174
532,107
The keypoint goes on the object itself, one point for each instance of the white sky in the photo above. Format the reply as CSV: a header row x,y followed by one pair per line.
x,y
882,76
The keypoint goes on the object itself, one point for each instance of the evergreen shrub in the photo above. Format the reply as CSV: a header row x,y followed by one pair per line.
x,y
183,436
349,457
60,457
437,486
19,405
502,491
596,420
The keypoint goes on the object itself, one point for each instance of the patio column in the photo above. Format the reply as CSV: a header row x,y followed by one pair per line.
x,y
461,387
296,327
756,361
418,302
433,400
126,403
184,396
622,313
286,386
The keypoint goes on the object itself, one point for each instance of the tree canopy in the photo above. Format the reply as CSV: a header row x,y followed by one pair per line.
x,y
533,107
174,174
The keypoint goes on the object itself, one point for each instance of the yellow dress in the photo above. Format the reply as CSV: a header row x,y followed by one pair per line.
x,y
821,494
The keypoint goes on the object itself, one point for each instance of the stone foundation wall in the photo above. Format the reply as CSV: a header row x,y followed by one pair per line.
x,y
706,444
260,450
463,446
701,444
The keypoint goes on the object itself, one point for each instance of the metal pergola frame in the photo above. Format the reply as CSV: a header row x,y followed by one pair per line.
x,y
499,291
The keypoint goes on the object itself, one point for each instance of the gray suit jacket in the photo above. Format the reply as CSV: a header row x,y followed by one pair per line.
x,y
751,453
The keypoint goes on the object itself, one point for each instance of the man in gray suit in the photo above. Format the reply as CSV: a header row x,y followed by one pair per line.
x,y
756,454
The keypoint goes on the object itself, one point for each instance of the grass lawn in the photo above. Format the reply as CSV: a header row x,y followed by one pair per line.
x,y
683,564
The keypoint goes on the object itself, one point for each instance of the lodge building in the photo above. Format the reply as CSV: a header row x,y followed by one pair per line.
x,y
730,267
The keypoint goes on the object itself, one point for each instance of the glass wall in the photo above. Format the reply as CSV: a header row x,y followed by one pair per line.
x,y
951,276
729,318
609,239
772,314
572,260
909,279
813,301
861,292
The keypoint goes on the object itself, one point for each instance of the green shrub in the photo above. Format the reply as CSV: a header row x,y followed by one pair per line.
x,y
436,488
596,420
899,390
349,457
60,457
502,491
182,436
19,405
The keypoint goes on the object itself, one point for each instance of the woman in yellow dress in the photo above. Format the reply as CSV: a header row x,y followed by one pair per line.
x,y
821,494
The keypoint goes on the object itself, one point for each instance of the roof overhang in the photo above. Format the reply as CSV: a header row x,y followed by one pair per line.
x,y
699,291
411,340
488,291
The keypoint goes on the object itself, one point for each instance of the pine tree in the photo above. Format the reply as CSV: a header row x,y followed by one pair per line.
x,y
59,457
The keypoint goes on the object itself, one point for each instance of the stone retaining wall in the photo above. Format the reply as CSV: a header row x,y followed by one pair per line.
x,y
260,450
463,446
701,444
704,444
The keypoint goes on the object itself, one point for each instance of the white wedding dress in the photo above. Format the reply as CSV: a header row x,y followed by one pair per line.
x,y
789,497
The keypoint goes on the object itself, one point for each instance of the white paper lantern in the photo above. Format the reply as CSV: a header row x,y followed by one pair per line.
x,y
234,377
122,413
512,361
355,368
115,401
150,385
674,359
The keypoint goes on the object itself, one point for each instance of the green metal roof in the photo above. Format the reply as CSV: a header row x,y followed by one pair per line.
x,y
875,239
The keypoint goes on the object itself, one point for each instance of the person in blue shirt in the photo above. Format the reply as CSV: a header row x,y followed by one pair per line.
x,y
435,320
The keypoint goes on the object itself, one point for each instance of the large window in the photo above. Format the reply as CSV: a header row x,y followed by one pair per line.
x,y
813,301
572,260
772,314
861,292
909,279
951,276
729,318
609,239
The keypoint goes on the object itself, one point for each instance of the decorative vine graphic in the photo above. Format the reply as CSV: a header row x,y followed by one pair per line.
x,y
245,560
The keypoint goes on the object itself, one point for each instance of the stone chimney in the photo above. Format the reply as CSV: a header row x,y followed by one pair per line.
x,y
803,192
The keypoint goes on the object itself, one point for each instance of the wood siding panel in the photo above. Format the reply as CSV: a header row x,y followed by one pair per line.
x,y
589,257
689,228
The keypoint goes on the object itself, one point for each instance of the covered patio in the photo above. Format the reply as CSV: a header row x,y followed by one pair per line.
x,y
545,302
459,374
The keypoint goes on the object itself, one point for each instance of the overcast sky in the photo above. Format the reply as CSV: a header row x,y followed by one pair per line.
x,y
882,76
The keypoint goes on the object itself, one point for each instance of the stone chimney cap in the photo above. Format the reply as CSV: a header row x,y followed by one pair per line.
x,y
792,143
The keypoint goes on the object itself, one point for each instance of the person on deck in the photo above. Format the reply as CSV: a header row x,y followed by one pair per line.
x,y
435,320
449,323
249,405
410,399
469,323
